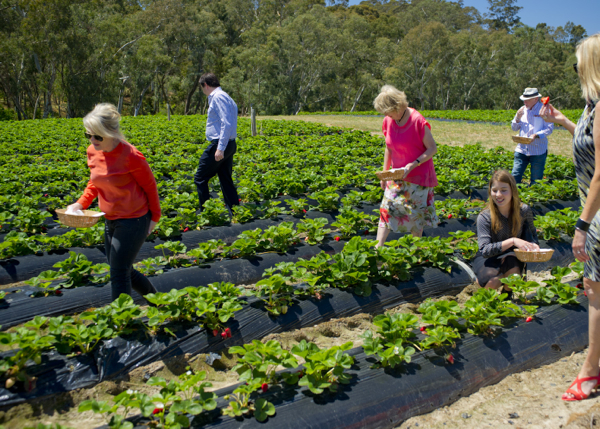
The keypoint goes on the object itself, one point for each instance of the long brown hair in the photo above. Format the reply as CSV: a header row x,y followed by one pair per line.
x,y
515,206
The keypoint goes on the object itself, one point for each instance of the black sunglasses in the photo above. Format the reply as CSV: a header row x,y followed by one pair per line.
x,y
575,68
89,136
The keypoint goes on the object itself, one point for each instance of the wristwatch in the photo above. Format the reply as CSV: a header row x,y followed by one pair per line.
x,y
582,225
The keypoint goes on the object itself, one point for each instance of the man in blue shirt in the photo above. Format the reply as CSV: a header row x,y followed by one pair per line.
x,y
529,123
217,159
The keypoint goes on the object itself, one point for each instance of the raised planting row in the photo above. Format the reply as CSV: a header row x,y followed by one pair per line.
x,y
505,116
330,204
77,270
441,348
110,340
201,266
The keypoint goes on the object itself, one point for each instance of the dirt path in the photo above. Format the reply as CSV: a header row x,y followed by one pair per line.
x,y
530,399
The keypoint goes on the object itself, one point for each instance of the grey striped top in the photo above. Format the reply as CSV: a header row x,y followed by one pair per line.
x,y
490,243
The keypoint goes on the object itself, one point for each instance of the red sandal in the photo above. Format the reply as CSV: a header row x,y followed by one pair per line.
x,y
577,393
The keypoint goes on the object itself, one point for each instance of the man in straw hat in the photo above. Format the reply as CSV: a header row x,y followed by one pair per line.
x,y
529,123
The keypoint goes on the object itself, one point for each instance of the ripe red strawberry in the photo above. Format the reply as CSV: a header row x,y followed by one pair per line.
x,y
215,332
45,195
240,200
529,319
464,218
545,100
186,229
157,410
224,335
423,328
300,374
366,232
585,293
337,238
228,332
449,216
58,292
450,359
304,210
579,286
264,387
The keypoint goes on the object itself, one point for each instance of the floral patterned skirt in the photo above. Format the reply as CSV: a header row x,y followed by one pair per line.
x,y
407,207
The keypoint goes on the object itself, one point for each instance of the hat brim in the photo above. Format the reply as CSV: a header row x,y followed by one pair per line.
x,y
522,97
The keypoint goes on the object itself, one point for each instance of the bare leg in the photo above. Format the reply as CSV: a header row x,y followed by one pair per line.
x,y
590,367
418,234
382,234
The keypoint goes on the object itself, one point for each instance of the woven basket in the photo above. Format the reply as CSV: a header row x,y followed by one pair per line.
x,y
390,175
534,256
75,221
522,140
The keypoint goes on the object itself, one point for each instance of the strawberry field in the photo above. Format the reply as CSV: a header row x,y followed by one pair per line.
x,y
298,252
495,116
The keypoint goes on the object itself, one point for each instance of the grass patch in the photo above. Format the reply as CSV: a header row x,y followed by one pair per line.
x,y
448,133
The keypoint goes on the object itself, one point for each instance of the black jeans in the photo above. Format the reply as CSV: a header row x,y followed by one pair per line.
x,y
123,239
208,168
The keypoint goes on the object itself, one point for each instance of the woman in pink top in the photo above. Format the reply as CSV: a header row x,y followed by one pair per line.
x,y
408,204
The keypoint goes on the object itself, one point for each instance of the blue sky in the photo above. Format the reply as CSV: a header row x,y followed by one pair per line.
x,y
553,12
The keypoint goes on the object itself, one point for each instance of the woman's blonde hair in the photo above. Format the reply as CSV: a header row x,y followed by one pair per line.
x,y
515,206
104,121
588,66
390,100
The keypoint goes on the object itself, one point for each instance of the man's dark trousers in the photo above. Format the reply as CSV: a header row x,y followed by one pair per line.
x,y
208,167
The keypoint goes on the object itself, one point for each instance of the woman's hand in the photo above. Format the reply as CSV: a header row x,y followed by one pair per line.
x,y
550,114
409,167
579,246
152,226
383,184
75,207
525,245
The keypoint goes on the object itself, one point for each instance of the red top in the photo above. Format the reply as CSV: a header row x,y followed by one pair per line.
x,y
406,144
123,182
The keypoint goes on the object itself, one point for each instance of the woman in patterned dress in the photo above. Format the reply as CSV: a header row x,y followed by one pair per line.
x,y
586,242
408,204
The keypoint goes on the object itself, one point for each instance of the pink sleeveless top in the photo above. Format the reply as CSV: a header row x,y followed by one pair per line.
x,y
406,144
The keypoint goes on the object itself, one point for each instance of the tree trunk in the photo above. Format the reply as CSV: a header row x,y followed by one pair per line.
x,y
48,106
356,100
138,107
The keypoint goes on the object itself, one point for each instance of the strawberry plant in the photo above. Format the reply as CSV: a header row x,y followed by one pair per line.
x,y
440,313
214,213
271,209
116,414
243,406
521,288
396,263
324,369
328,199
556,222
206,251
440,337
565,294
353,268
244,213
485,309
177,248
176,399
314,230
275,293
352,199
350,222
466,243
151,266
30,345
259,361
279,238
298,207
